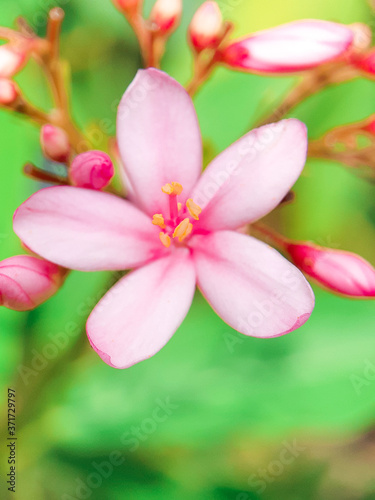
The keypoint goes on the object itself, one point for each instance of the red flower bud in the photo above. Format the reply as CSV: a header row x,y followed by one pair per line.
x,y
341,272
365,62
166,15
206,26
92,170
370,126
26,282
128,6
289,48
55,143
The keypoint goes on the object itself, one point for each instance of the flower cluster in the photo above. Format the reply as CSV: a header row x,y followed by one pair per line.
x,y
180,226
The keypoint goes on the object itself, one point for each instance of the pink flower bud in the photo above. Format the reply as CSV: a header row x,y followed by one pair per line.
x,y
12,60
341,272
128,6
289,48
93,170
8,91
206,26
26,282
55,143
166,14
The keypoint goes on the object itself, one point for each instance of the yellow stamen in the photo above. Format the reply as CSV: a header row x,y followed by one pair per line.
x,y
179,206
158,220
183,230
173,188
194,209
165,239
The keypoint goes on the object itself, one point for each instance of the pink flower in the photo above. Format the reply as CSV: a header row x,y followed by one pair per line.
x,y
92,170
289,48
342,272
26,282
178,228
55,143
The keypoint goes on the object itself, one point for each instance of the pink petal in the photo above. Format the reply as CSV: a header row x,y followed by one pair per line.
x,y
252,176
142,311
250,285
86,230
291,47
159,138
26,282
341,272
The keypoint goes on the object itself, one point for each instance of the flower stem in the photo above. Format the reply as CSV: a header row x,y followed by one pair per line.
x,y
206,61
268,234
311,83
38,174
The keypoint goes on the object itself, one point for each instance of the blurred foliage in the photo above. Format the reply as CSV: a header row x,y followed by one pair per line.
x,y
235,401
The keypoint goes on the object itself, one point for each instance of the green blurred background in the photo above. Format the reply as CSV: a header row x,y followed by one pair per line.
x,y
215,415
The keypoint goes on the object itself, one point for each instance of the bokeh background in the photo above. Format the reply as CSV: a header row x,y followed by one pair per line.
x,y
215,415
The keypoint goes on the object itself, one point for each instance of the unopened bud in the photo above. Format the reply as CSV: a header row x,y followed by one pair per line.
x,y
166,15
8,91
92,170
370,125
55,143
366,62
206,26
338,271
289,48
26,282
12,60
128,6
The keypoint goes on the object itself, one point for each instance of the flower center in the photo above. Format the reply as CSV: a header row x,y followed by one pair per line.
x,y
178,225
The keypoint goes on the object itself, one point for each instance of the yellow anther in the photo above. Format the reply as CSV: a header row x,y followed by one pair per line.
x,y
177,188
194,209
167,189
165,239
158,220
183,230
179,206
173,188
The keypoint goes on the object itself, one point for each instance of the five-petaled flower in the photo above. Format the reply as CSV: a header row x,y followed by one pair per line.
x,y
178,227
